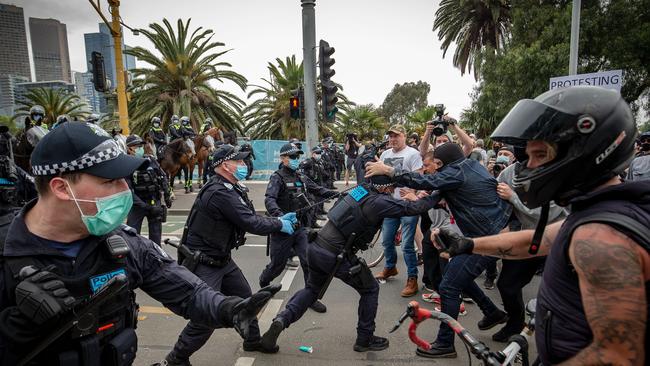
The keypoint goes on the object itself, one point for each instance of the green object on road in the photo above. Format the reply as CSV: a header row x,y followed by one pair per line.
x,y
307,349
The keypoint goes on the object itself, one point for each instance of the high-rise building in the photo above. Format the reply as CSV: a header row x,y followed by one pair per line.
x,y
8,93
13,42
102,42
86,90
50,49
21,89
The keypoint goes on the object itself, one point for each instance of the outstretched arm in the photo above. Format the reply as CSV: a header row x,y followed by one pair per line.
x,y
610,270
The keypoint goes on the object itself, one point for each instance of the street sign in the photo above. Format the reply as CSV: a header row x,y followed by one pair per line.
x,y
612,79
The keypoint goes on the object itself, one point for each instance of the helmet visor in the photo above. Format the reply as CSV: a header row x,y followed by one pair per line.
x,y
530,120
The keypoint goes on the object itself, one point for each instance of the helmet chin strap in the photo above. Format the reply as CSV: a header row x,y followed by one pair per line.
x,y
539,230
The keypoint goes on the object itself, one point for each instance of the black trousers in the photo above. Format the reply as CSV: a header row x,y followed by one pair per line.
x,y
515,274
135,218
433,265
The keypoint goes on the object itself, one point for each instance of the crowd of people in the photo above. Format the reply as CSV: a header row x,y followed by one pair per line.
x,y
561,190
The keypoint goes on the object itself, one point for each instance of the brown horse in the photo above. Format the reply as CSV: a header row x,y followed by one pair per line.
x,y
23,152
204,147
175,155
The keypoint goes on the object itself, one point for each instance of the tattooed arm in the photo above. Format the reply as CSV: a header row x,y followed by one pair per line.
x,y
610,271
514,245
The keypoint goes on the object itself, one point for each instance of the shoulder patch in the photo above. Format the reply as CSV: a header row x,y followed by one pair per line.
x,y
129,230
358,193
161,251
228,185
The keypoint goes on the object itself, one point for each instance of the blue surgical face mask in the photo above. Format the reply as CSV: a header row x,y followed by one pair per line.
x,y
139,152
317,156
503,160
111,212
294,163
241,172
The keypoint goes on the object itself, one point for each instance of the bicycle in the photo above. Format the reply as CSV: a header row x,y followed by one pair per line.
x,y
516,350
375,252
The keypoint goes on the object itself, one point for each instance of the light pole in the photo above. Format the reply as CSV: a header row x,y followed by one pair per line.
x,y
309,69
116,31
575,37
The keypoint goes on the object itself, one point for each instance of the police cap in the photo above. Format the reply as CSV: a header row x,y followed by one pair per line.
x,y
381,181
227,152
290,149
85,148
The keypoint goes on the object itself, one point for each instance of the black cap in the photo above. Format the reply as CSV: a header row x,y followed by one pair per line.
x,y
290,149
227,152
85,148
134,140
316,150
448,153
381,181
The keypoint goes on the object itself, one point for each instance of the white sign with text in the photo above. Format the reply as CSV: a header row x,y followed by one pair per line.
x,y
612,79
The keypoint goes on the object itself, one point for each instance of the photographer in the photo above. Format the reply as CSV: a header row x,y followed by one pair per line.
x,y
352,146
640,166
439,128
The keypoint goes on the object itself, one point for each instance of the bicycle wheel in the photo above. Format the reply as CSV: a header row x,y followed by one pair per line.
x,y
375,252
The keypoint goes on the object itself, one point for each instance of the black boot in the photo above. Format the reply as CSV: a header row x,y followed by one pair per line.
x,y
270,338
437,351
374,343
257,346
490,321
172,360
318,307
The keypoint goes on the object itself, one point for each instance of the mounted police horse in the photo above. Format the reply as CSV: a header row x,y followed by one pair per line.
x,y
23,152
204,147
173,157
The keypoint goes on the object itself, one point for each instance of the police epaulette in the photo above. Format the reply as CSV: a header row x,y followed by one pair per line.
x,y
129,230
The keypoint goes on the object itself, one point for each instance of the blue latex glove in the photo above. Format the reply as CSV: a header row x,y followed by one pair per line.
x,y
287,227
291,216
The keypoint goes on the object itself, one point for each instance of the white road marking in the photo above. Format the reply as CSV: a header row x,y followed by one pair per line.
x,y
245,361
287,279
271,310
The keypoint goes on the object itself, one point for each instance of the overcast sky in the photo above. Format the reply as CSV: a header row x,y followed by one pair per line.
x,y
378,42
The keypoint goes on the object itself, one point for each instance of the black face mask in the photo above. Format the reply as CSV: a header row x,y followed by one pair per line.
x,y
645,146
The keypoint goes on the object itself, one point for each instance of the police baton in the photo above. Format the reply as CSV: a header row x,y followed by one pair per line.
x,y
309,207
337,264
110,289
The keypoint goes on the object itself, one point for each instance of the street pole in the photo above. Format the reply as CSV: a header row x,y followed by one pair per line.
x,y
309,68
116,30
575,36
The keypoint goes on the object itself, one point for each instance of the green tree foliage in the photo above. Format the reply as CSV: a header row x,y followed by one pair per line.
x,y
473,26
268,117
364,120
539,49
181,79
418,120
404,100
55,102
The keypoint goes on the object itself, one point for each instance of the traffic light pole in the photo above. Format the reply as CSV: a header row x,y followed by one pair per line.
x,y
116,32
309,67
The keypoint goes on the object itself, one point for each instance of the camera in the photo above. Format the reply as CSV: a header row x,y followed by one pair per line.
x,y
351,136
498,168
439,125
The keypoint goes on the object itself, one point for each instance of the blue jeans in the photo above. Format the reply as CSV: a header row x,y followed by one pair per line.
x,y
459,276
388,231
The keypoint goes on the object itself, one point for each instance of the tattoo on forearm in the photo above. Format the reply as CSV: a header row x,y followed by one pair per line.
x,y
504,253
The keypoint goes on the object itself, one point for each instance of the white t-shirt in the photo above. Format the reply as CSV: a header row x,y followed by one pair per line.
x,y
408,159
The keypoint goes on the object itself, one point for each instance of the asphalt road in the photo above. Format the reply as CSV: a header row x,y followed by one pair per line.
x,y
331,334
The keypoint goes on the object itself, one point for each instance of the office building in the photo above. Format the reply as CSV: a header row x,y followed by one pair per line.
x,y
49,39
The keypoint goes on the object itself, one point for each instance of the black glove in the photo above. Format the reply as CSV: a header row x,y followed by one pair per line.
x,y
168,202
40,295
453,243
239,313
156,211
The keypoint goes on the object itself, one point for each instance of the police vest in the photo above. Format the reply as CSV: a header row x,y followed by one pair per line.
x,y
348,217
146,184
104,338
293,186
215,236
561,327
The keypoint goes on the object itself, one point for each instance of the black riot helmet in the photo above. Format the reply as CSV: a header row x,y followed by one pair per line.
x,y
155,121
185,121
593,131
37,113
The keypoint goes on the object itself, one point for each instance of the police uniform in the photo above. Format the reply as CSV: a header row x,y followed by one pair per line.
x,y
206,126
67,275
175,129
150,188
282,196
361,212
218,221
158,135
249,159
329,164
313,169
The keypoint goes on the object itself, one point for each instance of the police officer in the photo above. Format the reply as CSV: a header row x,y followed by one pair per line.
x,y
64,246
64,118
218,221
353,222
313,169
175,128
157,135
206,126
150,187
208,172
328,163
38,129
286,192
640,166
249,159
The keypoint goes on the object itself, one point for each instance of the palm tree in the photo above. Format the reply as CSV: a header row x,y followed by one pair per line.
x,y
417,121
55,102
269,115
364,120
472,25
180,80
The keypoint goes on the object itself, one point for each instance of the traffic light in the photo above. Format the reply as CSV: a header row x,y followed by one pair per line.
x,y
328,88
296,104
99,72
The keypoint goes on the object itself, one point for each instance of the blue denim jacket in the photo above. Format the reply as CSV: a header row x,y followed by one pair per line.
x,y
470,192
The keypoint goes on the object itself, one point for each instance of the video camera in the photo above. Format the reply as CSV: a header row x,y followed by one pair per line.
x,y
351,136
439,125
